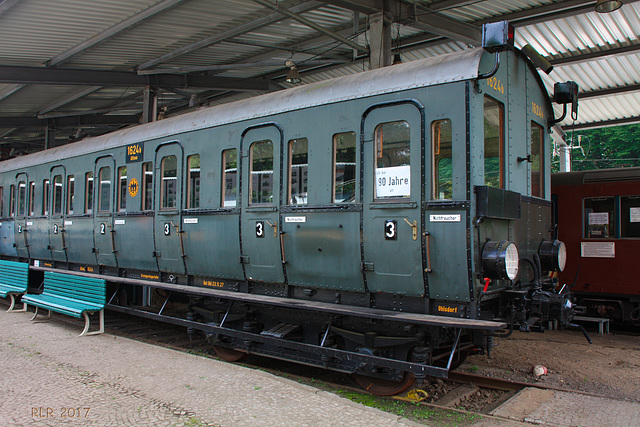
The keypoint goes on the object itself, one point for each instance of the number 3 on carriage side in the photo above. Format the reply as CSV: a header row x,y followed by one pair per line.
x,y
390,229
167,229
259,229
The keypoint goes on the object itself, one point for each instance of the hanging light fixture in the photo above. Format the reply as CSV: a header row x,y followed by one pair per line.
x,y
293,76
606,6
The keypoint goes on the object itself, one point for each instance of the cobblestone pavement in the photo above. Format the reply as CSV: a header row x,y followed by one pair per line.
x,y
52,377
558,408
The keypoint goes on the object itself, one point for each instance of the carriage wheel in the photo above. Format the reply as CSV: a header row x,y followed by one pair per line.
x,y
229,354
381,387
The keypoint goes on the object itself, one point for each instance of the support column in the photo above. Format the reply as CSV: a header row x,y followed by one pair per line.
x,y
150,104
50,135
380,39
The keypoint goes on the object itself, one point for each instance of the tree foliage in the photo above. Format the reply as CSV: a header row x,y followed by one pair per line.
x,y
603,148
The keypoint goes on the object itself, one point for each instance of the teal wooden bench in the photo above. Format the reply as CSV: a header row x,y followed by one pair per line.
x,y
14,278
72,295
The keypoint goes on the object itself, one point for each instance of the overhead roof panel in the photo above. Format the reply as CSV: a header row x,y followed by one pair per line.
x,y
34,31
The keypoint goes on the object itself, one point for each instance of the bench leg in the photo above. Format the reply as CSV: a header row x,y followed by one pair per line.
x,y
87,321
36,314
13,303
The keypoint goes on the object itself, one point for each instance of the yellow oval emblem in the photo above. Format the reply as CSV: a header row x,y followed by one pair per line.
x,y
133,187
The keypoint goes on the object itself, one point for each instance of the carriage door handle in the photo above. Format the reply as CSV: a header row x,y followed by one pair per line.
x,y
426,234
414,228
275,228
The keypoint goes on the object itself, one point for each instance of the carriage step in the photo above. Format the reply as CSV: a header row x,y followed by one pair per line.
x,y
284,331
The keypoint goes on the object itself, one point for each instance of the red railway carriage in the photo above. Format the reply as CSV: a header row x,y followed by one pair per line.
x,y
598,218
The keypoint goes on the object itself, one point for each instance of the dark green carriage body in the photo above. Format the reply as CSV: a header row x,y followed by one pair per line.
x,y
209,199
337,247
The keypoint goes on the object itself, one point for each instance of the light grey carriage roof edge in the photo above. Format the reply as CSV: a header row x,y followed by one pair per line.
x,y
452,67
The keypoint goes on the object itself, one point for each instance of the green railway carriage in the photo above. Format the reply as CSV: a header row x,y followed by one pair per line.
x,y
382,223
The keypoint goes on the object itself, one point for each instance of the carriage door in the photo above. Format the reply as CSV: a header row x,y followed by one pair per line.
x,y
392,232
168,222
21,239
103,237
56,223
260,227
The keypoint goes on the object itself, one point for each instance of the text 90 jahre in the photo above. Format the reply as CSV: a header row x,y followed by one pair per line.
x,y
64,412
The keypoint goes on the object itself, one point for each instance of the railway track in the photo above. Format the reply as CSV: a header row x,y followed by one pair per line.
x,y
464,393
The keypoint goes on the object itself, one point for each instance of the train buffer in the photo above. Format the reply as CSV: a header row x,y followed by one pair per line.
x,y
75,296
603,323
14,279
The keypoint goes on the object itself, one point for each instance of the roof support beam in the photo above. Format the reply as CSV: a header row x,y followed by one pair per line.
x,y
603,124
236,31
313,25
60,76
69,99
590,56
610,91
427,19
73,121
7,4
421,16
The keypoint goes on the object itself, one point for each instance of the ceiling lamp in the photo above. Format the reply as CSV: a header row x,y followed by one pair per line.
x,y
606,6
293,76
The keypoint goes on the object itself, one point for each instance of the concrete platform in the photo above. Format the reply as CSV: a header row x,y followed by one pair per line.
x,y
52,377
558,408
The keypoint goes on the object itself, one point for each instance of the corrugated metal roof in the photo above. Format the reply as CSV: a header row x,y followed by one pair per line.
x,y
125,35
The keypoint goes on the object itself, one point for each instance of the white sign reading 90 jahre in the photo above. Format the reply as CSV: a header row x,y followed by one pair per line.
x,y
393,182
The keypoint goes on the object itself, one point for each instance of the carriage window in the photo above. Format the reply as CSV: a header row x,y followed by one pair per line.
x,y
46,188
122,188
104,190
57,195
32,198
537,177
193,184
393,170
298,168
70,193
22,198
169,183
630,216
229,178
344,167
599,218
493,143
88,192
12,200
442,166
147,186
261,172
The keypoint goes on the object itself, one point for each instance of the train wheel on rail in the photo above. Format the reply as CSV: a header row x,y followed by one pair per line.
x,y
229,354
381,387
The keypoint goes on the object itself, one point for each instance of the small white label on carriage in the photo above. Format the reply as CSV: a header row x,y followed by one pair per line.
x,y
66,223
28,223
598,249
190,220
634,214
295,219
36,263
444,218
119,222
